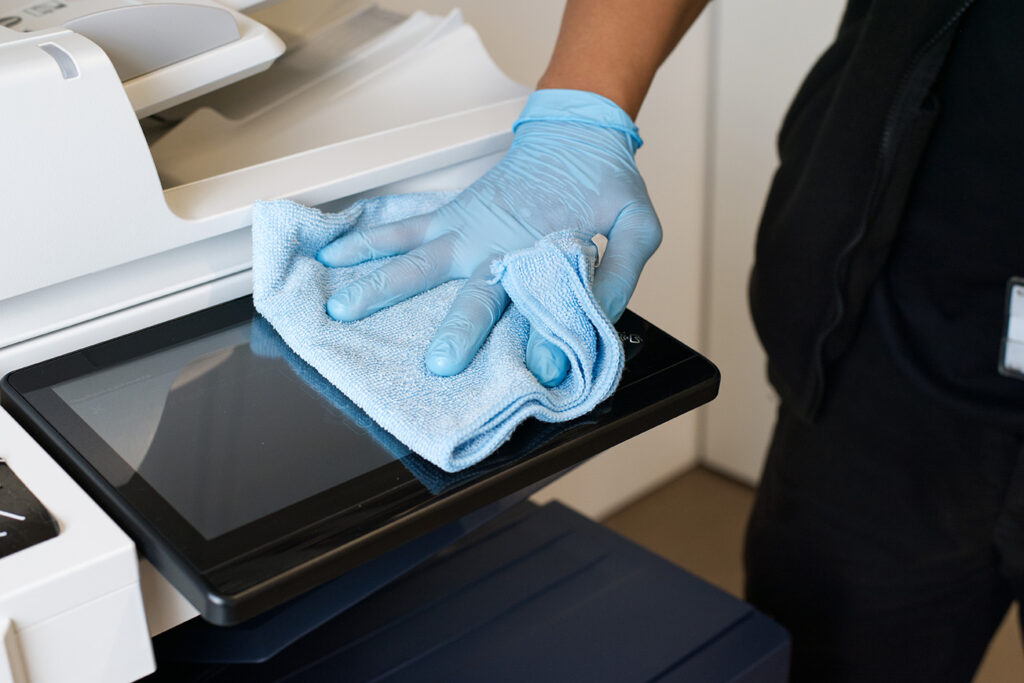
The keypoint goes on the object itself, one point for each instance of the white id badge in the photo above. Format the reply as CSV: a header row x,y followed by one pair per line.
x,y
1011,363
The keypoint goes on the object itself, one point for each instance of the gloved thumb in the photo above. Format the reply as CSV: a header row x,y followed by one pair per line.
x,y
546,361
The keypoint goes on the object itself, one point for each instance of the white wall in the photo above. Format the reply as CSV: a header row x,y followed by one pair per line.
x,y
520,37
761,51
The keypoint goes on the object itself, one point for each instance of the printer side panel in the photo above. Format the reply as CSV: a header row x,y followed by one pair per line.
x,y
73,602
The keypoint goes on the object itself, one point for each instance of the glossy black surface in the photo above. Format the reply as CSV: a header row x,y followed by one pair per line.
x,y
247,479
24,521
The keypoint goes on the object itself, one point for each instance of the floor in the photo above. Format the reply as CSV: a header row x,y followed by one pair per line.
x,y
697,521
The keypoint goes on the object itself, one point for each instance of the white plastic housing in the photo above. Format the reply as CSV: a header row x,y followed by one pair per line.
x,y
74,601
165,52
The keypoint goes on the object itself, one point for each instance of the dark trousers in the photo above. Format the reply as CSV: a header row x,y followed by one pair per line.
x,y
888,536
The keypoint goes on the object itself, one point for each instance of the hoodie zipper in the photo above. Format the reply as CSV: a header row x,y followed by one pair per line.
x,y
881,165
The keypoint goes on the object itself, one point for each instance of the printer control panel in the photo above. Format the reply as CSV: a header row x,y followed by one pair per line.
x,y
24,521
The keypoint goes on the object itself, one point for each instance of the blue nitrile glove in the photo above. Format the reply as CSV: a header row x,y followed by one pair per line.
x,y
570,167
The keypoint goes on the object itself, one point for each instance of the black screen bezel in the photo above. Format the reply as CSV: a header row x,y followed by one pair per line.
x,y
203,554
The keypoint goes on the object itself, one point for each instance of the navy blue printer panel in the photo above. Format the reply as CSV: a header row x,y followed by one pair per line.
x,y
540,594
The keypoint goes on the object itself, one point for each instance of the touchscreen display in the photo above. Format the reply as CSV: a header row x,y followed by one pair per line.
x,y
229,427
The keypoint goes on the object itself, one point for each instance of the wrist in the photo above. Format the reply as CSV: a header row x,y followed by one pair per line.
x,y
627,94
582,107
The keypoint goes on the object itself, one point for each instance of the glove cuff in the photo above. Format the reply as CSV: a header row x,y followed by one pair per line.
x,y
579,106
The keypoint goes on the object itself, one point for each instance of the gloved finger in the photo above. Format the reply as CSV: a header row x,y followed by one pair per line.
x,y
546,361
632,241
377,242
472,315
397,280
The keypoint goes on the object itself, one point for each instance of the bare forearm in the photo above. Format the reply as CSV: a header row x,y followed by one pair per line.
x,y
614,47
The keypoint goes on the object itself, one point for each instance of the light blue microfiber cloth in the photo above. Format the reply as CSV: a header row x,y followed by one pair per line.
x,y
453,422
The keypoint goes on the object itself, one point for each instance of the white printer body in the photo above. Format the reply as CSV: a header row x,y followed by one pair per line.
x,y
112,220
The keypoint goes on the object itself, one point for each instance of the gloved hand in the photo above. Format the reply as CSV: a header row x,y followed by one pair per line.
x,y
570,167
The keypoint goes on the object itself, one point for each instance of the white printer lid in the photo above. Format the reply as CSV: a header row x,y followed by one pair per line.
x,y
163,52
